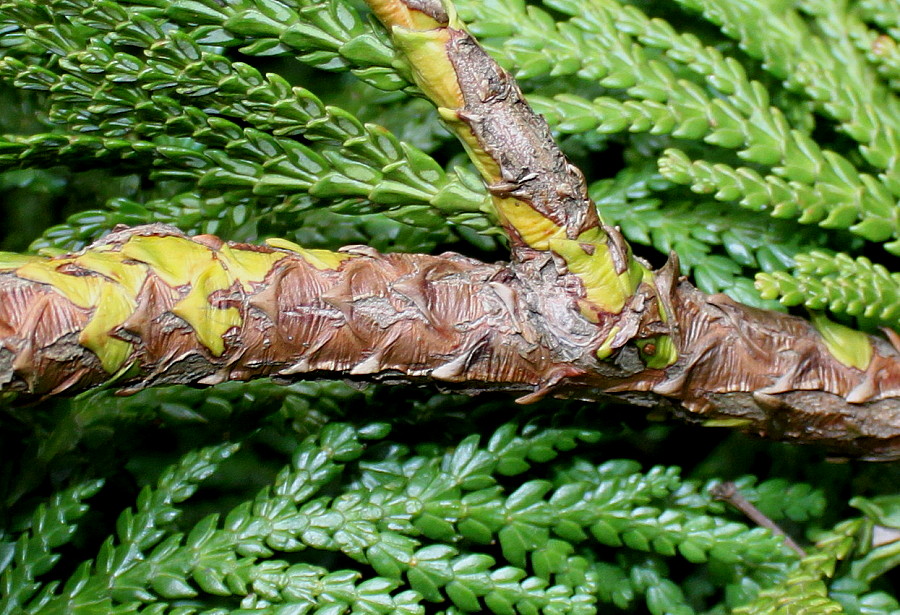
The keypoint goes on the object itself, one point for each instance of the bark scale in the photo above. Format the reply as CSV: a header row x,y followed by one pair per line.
x,y
356,313
447,319
573,315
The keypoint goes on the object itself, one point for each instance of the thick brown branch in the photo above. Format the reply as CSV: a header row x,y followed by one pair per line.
x,y
413,318
381,316
773,375
714,360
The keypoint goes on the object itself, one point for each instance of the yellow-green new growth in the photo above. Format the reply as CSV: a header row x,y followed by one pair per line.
x,y
12,260
320,259
107,280
590,259
850,347
109,294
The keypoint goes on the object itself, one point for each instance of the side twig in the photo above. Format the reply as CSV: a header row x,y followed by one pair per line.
x,y
728,492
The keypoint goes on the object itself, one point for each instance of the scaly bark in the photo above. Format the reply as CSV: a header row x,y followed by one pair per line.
x,y
173,309
574,314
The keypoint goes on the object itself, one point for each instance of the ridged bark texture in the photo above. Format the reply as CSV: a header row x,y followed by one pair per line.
x,y
201,311
354,313
574,314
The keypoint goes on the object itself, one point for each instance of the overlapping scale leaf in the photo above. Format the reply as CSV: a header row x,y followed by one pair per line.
x,y
35,553
354,160
325,35
836,282
820,62
804,591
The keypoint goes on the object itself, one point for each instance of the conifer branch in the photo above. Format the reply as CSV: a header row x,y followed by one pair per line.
x,y
574,314
153,111
808,183
838,200
162,92
865,109
418,528
804,587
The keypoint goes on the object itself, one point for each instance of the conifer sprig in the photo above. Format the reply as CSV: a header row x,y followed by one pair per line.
x,y
418,528
857,100
156,94
804,589
883,14
326,36
837,282
806,183
101,583
35,553
664,82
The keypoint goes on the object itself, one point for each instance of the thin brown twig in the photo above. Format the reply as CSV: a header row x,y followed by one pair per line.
x,y
729,492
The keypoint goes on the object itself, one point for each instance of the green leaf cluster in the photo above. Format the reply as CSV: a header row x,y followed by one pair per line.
x,y
412,529
755,139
